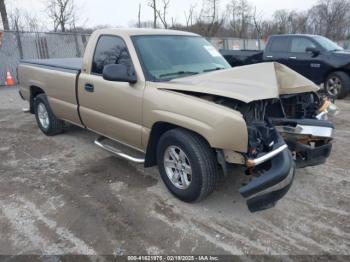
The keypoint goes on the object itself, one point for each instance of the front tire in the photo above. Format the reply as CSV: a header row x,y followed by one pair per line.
x,y
187,165
48,123
337,85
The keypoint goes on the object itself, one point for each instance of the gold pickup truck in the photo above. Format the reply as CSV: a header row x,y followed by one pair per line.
x,y
168,98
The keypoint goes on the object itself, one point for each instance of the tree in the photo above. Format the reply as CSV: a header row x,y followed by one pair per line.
x,y
189,16
62,13
163,14
153,5
4,17
22,20
232,9
331,18
245,17
209,20
281,20
258,27
240,15
139,17
160,13
16,20
213,7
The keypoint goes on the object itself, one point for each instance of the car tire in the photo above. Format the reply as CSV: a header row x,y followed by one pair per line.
x,y
337,85
48,123
190,176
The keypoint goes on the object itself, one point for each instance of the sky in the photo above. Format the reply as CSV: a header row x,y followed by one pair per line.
x,y
124,12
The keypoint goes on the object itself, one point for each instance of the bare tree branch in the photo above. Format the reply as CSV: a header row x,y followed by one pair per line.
x,y
153,5
189,17
163,14
139,17
62,13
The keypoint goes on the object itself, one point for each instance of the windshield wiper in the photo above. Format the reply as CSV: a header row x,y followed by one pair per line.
x,y
213,69
179,73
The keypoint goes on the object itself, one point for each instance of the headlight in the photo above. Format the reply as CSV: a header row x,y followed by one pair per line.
x,y
327,109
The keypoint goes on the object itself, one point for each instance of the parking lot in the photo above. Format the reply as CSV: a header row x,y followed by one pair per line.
x,y
63,195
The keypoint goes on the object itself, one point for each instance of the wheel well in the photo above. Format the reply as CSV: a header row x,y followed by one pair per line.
x,y
158,130
34,91
334,71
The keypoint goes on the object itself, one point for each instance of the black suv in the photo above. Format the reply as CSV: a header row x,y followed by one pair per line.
x,y
313,56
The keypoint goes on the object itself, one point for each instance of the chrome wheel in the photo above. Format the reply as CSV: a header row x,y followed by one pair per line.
x,y
43,116
177,167
333,86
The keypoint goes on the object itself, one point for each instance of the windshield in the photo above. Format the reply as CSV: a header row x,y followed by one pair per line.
x,y
328,44
167,57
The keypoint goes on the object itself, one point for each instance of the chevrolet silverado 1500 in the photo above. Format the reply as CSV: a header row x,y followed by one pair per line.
x,y
168,98
315,57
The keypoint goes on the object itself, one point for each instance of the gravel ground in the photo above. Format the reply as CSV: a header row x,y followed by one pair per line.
x,y
63,195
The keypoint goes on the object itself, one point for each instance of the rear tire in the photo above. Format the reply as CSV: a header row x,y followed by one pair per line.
x,y
48,123
187,165
337,85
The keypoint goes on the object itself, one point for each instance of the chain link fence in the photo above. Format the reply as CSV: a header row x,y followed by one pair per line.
x,y
237,43
15,46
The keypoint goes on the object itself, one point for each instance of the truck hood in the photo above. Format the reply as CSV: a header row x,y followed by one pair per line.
x,y
245,83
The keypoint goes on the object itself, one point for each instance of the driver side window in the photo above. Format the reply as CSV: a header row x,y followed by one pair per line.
x,y
300,44
110,50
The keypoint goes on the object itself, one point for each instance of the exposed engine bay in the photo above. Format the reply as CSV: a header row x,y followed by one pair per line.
x,y
296,118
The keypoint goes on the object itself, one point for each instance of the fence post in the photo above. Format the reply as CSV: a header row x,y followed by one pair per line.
x,y
77,49
83,39
19,44
225,43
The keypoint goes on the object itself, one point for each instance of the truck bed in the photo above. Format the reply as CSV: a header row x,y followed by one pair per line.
x,y
73,64
58,77
242,57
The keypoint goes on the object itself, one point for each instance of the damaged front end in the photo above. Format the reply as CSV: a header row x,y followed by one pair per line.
x,y
286,122
284,134
305,129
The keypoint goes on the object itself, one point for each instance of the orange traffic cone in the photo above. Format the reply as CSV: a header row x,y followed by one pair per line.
x,y
9,79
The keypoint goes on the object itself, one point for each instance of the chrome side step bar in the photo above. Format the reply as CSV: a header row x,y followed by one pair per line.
x,y
118,152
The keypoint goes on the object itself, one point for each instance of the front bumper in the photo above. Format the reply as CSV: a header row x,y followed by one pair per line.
x,y
310,140
265,191
299,143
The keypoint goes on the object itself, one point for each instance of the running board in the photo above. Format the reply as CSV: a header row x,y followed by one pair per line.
x,y
122,151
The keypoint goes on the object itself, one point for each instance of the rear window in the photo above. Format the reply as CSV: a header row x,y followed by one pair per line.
x,y
279,44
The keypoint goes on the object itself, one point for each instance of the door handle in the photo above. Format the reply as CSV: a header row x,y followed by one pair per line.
x,y
269,56
292,57
89,88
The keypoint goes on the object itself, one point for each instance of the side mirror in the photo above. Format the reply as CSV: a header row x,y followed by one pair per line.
x,y
118,73
314,50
